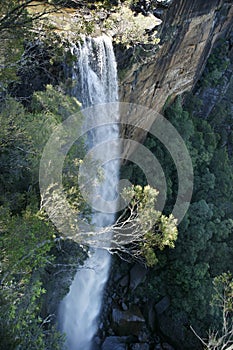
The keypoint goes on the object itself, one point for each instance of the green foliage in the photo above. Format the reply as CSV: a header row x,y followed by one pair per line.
x,y
25,244
29,47
223,296
14,21
13,14
156,231
217,64
26,236
23,137
21,239
203,248
206,221
54,103
11,51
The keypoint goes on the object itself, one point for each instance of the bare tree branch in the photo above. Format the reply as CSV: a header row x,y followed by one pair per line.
x,y
223,299
13,18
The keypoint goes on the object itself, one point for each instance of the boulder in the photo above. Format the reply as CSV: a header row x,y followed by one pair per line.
x,y
164,346
167,346
124,306
97,343
137,275
162,305
140,346
114,343
124,281
128,322
144,335
150,314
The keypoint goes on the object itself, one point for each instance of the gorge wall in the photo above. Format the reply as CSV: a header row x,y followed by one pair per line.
x,y
188,32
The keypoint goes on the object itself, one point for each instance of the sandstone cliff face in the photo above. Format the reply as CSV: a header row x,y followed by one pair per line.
x,y
188,32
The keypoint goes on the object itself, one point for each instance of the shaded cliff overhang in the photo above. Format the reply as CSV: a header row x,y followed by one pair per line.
x,y
187,35
188,32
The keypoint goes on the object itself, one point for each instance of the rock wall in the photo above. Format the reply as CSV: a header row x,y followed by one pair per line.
x,y
188,33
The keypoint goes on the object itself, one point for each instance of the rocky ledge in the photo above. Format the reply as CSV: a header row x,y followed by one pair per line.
x,y
129,322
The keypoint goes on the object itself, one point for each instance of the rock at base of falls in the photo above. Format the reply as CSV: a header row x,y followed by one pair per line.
x,y
115,343
140,346
127,322
121,343
137,275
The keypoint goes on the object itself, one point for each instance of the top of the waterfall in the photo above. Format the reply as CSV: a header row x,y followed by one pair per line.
x,y
119,22
94,73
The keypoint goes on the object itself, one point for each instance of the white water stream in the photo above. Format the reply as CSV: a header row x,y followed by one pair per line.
x,y
96,75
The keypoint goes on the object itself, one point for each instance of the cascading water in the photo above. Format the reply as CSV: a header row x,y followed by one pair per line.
x,y
96,75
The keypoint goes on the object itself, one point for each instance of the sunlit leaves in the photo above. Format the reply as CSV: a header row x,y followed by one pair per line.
x,y
157,230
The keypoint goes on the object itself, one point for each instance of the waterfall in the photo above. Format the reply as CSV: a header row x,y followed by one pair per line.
x,y
96,75
95,71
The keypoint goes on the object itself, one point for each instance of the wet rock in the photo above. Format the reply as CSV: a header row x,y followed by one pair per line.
x,y
150,314
97,340
137,275
167,346
158,347
111,332
117,276
140,346
128,322
124,306
124,282
114,343
162,305
164,346
144,335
